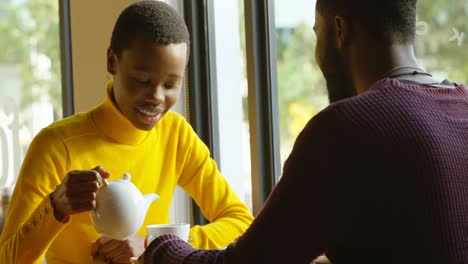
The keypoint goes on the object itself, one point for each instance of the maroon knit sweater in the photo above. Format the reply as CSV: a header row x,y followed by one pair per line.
x,y
377,178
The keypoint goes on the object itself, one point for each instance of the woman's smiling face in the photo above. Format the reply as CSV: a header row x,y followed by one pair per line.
x,y
148,77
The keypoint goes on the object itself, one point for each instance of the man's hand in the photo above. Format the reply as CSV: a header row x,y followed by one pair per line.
x,y
119,252
77,192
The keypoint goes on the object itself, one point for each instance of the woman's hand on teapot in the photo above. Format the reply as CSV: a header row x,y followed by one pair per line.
x,y
77,192
118,251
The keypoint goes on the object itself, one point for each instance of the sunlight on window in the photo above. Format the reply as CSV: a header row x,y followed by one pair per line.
x,y
30,82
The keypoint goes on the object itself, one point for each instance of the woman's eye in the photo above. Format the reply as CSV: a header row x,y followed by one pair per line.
x,y
169,85
142,82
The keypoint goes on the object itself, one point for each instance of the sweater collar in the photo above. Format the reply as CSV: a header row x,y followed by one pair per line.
x,y
440,92
113,124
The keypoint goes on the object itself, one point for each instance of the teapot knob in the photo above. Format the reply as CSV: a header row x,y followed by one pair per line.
x,y
127,176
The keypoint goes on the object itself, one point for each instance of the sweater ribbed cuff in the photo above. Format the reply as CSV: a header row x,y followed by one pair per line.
x,y
167,249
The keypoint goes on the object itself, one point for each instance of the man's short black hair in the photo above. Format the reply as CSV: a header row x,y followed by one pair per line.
x,y
388,20
156,20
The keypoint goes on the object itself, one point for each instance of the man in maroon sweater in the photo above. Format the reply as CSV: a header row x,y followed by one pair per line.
x,y
381,177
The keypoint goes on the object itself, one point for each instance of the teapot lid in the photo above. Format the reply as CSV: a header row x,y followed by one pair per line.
x,y
126,176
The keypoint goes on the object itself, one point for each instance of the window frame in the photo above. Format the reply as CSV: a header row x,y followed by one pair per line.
x,y
66,59
201,79
263,99
262,90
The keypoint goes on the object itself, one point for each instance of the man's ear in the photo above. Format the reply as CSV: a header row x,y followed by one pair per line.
x,y
111,61
342,31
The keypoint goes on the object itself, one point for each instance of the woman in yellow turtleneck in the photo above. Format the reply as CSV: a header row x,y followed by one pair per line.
x,y
131,131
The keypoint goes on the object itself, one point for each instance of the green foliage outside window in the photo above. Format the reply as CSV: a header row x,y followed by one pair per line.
x,y
30,42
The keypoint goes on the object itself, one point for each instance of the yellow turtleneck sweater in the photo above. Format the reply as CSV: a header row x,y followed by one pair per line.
x,y
170,154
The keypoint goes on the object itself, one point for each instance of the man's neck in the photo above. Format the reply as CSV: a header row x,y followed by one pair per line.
x,y
374,64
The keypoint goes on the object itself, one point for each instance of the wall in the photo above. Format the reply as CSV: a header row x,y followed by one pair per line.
x,y
91,26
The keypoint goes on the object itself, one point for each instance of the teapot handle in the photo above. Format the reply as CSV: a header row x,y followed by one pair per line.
x,y
104,182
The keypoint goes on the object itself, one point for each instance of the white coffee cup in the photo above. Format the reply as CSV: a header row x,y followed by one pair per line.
x,y
154,231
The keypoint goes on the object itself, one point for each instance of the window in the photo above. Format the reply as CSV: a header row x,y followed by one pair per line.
x,y
233,117
301,86
441,39
30,79
30,82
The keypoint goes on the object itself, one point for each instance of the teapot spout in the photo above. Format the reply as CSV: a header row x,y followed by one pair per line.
x,y
150,197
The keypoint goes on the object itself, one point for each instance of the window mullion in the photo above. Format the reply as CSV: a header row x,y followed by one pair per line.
x,y
263,98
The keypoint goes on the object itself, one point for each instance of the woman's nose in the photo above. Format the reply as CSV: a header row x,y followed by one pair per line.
x,y
157,94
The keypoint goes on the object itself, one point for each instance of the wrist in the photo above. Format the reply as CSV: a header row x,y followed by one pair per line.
x,y
59,216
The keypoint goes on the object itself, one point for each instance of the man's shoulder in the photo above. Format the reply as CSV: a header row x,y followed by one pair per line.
x,y
387,109
382,99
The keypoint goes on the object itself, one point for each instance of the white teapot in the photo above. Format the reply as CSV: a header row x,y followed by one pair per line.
x,y
120,208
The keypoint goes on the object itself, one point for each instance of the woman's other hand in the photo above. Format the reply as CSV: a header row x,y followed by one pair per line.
x,y
118,252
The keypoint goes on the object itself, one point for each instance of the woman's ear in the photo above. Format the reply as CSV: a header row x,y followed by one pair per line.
x,y
111,61
342,31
